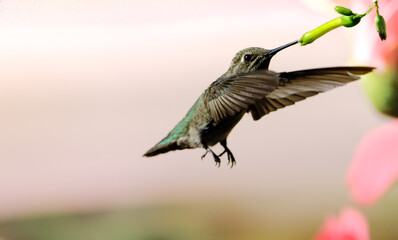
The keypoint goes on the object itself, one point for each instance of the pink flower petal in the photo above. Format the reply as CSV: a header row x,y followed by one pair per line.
x,y
375,165
351,225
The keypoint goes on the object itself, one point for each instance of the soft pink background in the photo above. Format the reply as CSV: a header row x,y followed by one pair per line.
x,y
351,224
88,86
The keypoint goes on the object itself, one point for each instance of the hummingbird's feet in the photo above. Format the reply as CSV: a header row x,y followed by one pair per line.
x,y
231,158
216,158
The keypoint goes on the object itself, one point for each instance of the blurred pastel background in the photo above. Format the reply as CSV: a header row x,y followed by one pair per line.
x,y
86,87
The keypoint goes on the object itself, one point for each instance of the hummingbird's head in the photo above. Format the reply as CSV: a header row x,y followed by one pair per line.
x,y
254,58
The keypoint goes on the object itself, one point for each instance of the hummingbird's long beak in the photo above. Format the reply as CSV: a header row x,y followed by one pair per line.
x,y
275,50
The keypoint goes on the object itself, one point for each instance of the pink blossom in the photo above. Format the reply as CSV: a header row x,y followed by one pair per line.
x,y
350,225
375,165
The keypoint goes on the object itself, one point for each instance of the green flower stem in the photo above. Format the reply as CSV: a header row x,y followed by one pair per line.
x,y
370,9
377,7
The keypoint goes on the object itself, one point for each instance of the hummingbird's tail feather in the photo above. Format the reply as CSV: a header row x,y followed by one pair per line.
x,y
298,85
176,139
163,146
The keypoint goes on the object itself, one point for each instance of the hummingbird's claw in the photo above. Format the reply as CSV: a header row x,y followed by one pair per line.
x,y
218,161
223,154
204,155
233,162
231,158
216,158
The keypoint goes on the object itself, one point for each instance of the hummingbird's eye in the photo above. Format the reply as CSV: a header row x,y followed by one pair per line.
x,y
248,57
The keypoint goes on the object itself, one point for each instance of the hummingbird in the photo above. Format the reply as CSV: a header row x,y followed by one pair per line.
x,y
248,87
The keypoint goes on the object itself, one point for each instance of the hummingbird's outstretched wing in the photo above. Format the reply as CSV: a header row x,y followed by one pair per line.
x,y
262,92
231,95
298,85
